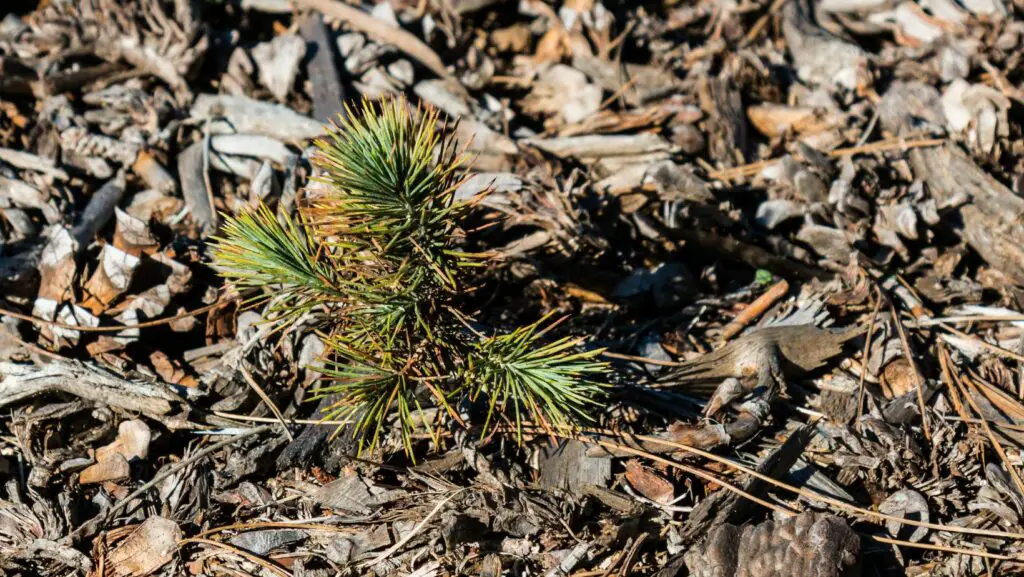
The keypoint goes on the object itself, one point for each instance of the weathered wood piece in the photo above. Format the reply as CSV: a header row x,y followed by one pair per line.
x,y
20,382
992,215
820,56
728,124
328,92
240,114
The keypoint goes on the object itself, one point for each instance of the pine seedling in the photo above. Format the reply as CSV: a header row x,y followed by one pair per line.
x,y
378,250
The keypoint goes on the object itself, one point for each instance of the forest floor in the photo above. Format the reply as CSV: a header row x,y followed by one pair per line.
x,y
821,196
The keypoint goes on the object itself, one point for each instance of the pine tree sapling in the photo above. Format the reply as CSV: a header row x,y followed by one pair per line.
x,y
378,251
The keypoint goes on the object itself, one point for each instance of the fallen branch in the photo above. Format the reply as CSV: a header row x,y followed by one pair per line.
x,y
117,328
19,382
894,144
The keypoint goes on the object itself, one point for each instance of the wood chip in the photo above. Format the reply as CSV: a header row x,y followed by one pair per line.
x,y
146,549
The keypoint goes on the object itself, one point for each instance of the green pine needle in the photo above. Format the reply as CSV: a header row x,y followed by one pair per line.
x,y
549,383
371,386
391,175
278,257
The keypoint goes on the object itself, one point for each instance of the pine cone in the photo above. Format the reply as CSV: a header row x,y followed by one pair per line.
x,y
807,545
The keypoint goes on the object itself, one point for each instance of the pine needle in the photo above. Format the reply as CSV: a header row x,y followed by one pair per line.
x,y
278,257
548,383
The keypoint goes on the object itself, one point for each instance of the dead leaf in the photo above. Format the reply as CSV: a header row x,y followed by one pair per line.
x,y
649,484
170,370
146,549
515,38
132,235
110,280
553,46
154,205
57,267
773,120
897,378
184,324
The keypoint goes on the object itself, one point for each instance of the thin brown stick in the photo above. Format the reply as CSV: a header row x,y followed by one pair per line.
x,y
268,565
990,422
275,525
880,146
887,145
622,90
251,419
999,397
988,432
866,354
618,40
726,485
266,399
119,328
755,309
944,548
993,348
31,346
645,360
945,364
699,473
1014,318
829,500
918,309
364,22
415,531
755,30
782,485
918,380
630,559
207,183
326,423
